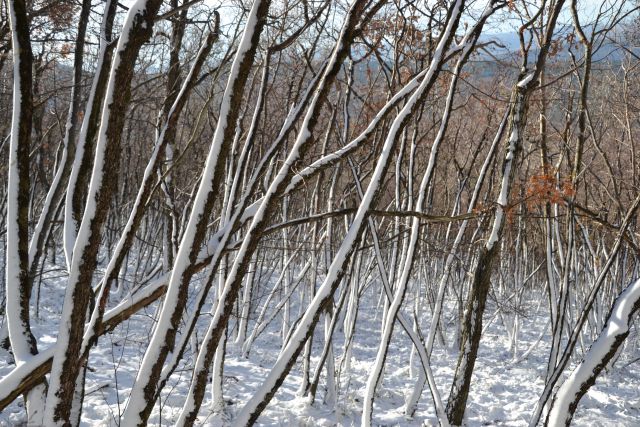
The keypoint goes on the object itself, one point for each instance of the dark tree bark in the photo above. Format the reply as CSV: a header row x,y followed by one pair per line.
x,y
66,366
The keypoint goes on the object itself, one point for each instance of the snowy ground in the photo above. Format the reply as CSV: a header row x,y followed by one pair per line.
x,y
503,393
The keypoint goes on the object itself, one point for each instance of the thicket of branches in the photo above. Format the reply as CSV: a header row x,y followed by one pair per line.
x,y
227,167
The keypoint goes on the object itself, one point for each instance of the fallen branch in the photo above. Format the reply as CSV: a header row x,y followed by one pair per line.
x,y
26,375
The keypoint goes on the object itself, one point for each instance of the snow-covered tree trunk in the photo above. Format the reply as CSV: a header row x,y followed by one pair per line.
x,y
217,394
143,393
286,283
78,181
64,372
18,282
613,335
245,306
217,379
331,388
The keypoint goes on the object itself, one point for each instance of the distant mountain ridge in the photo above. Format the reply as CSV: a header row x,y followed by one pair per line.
x,y
614,48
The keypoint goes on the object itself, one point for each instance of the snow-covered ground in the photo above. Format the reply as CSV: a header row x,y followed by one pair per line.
x,y
503,392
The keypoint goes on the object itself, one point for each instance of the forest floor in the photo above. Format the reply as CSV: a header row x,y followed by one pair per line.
x,y
503,392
